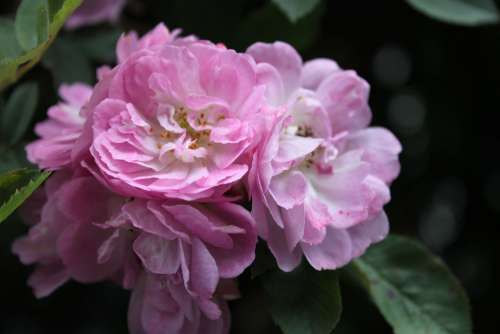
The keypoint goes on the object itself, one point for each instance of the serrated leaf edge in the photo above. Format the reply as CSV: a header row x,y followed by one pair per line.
x,y
20,195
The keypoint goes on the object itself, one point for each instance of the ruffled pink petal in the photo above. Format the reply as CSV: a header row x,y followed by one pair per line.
x,y
46,278
293,148
333,252
286,259
345,97
367,233
288,189
129,43
76,95
158,255
78,247
199,225
149,217
284,58
294,220
381,150
84,199
61,131
315,71
204,272
270,78
237,222
345,194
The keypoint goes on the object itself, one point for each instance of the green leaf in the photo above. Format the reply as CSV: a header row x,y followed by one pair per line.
x,y
413,289
99,46
54,7
12,68
296,9
256,26
69,59
13,158
18,112
32,23
10,46
304,301
16,186
12,180
67,63
462,12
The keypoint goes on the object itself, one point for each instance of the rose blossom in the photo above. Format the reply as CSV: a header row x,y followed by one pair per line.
x,y
145,159
64,239
60,132
95,11
320,178
65,124
176,256
173,121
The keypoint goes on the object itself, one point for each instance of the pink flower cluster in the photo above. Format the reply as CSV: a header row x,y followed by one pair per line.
x,y
153,166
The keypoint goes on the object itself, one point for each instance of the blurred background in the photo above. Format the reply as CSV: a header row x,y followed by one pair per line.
x,y
435,85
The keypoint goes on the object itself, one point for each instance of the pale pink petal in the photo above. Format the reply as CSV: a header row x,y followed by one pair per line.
x,y
288,189
294,220
345,97
315,71
367,233
287,260
381,150
332,253
62,130
284,58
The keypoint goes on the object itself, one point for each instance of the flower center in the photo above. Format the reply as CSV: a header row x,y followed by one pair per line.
x,y
196,137
183,134
321,159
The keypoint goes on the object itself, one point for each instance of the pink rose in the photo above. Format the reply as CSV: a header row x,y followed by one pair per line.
x,y
95,11
173,121
149,159
320,178
186,253
60,132
65,241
